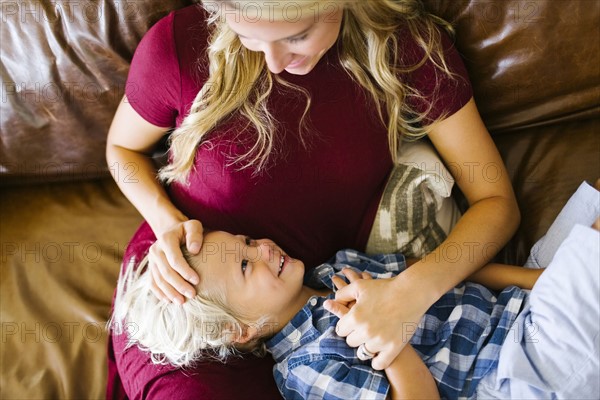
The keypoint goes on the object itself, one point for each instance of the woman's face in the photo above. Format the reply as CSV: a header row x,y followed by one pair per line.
x,y
296,43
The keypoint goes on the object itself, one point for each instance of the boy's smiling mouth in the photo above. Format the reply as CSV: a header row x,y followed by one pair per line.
x,y
281,262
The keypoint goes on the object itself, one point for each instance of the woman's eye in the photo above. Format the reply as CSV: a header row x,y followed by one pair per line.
x,y
244,265
298,39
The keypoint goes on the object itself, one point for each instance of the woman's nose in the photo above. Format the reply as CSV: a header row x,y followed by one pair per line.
x,y
275,57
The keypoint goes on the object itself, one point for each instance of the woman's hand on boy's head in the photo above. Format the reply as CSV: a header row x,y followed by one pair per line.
x,y
171,273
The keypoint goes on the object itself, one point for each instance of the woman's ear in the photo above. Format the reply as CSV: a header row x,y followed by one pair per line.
x,y
249,333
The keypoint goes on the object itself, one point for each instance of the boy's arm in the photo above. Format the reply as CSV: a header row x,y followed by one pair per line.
x,y
410,378
329,376
500,276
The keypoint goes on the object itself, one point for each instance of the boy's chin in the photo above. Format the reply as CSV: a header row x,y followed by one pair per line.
x,y
295,264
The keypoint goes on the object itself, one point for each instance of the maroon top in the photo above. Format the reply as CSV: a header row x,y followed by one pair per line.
x,y
312,201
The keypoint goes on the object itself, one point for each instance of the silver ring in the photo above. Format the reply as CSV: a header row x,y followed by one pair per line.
x,y
363,354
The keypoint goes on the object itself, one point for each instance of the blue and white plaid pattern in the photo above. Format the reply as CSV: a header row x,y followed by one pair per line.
x,y
459,338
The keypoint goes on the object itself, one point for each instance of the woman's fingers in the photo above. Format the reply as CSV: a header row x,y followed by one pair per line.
x,y
338,282
170,245
385,353
163,274
193,236
353,338
383,359
375,321
356,323
351,274
347,324
348,293
155,289
172,276
337,309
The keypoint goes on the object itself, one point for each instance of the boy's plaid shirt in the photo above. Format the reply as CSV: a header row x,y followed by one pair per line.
x,y
459,338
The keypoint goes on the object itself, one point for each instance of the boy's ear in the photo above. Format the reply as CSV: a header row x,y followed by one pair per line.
x,y
249,332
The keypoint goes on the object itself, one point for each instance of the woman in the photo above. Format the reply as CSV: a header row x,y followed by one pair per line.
x,y
290,114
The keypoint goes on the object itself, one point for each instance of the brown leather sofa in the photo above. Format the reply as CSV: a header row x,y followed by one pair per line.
x,y
64,224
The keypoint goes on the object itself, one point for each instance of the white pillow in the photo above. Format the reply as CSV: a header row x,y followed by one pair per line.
x,y
416,211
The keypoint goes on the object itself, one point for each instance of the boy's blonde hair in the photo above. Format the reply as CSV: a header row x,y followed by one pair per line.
x,y
202,328
240,84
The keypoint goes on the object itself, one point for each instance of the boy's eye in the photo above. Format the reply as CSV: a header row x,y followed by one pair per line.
x,y
249,241
244,265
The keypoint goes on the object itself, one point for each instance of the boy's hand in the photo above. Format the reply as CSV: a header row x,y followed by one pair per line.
x,y
339,309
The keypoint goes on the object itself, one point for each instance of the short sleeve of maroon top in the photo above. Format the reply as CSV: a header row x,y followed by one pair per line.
x,y
442,96
165,73
312,200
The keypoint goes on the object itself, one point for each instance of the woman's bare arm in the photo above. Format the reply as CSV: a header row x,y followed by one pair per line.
x,y
130,142
466,147
131,139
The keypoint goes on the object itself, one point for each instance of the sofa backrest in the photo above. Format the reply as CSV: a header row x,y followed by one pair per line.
x,y
64,67
532,62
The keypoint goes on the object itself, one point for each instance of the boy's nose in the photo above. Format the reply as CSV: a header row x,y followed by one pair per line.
x,y
265,252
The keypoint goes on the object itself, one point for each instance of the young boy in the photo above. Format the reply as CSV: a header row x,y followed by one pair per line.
x,y
252,298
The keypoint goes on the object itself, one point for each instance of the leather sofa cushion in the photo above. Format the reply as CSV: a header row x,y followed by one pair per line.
x,y
62,245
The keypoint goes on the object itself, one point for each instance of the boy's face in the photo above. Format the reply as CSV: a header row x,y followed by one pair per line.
x,y
258,278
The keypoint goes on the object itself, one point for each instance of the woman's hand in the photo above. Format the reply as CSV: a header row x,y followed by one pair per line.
x,y
384,318
341,308
172,277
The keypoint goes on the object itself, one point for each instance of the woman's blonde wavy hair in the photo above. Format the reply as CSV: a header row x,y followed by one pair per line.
x,y
203,328
240,83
